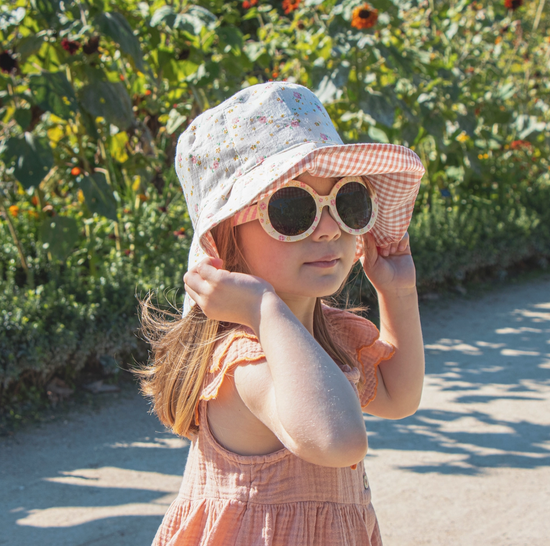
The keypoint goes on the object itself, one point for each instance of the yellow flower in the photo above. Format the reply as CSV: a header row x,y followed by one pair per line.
x,y
462,137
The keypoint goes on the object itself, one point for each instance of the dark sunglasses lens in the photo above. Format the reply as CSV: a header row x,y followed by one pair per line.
x,y
291,211
354,205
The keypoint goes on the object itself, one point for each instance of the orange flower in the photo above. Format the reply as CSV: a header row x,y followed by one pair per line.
x,y
14,210
364,16
148,92
75,171
142,197
34,200
290,5
32,213
521,145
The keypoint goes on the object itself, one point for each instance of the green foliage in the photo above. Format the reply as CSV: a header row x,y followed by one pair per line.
x,y
93,95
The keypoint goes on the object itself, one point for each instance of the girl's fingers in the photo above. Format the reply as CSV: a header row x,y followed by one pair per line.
x,y
404,243
193,295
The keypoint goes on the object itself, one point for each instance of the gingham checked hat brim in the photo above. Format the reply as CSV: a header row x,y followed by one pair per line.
x,y
394,171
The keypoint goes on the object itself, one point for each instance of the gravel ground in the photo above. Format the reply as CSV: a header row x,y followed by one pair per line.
x,y
472,466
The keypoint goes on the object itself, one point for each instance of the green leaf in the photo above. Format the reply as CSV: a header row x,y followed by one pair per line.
x,y
53,93
60,233
232,38
109,100
47,8
118,148
254,50
193,20
409,133
164,14
30,45
507,91
379,106
98,195
187,68
468,124
88,123
33,158
23,117
10,17
333,84
116,26
377,134
175,119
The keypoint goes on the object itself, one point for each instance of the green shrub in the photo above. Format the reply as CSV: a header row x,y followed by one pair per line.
x,y
93,95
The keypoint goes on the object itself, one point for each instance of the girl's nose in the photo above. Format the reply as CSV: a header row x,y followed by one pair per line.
x,y
327,228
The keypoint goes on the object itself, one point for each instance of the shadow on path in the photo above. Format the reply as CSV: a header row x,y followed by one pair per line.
x,y
487,398
101,479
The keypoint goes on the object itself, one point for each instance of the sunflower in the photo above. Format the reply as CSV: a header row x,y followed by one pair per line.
x,y
513,4
290,5
364,16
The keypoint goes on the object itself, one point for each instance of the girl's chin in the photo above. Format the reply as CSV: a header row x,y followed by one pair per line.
x,y
314,289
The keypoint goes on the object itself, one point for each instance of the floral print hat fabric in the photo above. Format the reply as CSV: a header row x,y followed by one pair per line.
x,y
268,134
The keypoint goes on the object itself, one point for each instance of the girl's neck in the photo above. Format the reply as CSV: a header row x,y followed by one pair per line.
x,y
302,308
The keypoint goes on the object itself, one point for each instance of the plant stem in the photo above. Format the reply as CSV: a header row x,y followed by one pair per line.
x,y
28,272
91,251
538,15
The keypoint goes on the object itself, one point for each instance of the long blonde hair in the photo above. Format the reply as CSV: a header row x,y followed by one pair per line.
x,y
182,347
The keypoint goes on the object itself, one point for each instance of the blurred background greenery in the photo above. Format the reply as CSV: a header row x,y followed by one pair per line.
x,y
93,95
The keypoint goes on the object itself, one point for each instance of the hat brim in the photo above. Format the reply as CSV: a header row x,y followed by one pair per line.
x,y
394,171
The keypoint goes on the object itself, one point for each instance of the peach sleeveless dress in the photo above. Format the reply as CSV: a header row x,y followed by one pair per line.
x,y
276,499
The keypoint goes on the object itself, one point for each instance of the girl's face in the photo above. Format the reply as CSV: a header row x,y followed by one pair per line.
x,y
313,267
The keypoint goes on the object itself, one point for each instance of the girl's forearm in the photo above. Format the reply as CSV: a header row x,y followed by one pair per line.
x,y
316,404
403,374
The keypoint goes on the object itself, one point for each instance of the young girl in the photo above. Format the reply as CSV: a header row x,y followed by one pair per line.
x,y
267,380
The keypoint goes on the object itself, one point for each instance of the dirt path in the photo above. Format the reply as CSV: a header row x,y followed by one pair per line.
x,y
472,466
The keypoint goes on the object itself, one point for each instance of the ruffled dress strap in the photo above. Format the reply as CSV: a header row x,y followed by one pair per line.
x,y
239,347
360,339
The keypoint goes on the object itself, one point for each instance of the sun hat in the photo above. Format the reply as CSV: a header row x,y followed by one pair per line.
x,y
267,134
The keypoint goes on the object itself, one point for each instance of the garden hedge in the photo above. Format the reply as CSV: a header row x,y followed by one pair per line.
x,y
94,93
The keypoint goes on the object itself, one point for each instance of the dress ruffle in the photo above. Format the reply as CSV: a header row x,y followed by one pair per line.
x,y
360,338
212,522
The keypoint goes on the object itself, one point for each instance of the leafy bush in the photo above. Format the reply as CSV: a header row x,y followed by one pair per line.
x,y
93,95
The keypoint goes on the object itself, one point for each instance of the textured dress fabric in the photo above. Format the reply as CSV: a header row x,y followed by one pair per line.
x,y
276,499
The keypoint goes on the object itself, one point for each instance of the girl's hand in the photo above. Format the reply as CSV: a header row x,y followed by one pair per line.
x,y
225,296
390,267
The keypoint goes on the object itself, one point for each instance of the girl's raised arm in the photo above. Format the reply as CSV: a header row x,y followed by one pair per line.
x,y
301,395
391,271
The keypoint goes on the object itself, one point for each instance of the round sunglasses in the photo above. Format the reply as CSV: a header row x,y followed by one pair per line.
x,y
293,211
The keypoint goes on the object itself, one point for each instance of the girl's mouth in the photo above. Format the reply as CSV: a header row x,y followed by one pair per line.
x,y
324,263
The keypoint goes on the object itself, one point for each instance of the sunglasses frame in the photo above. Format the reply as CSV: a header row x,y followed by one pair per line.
x,y
321,201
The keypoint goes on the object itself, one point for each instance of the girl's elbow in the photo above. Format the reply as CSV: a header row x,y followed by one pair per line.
x,y
342,451
401,411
